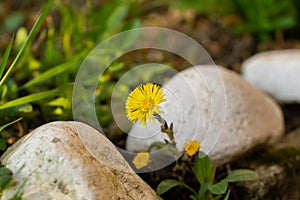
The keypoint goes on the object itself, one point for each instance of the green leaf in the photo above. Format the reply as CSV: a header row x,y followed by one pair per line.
x,y
166,185
241,175
5,177
30,98
6,56
28,40
2,144
8,124
203,188
203,168
219,188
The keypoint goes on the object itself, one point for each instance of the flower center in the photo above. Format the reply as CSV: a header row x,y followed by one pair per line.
x,y
146,105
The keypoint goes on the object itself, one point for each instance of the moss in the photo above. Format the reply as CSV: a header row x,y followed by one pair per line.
x,y
288,157
278,169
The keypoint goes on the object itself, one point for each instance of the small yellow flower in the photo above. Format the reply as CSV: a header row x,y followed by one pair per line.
x,y
191,147
143,102
141,160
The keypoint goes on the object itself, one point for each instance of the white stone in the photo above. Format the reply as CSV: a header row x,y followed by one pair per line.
x,y
217,107
275,72
71,160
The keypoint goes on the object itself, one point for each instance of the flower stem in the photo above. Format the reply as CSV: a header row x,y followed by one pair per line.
x,y
169,131
164,127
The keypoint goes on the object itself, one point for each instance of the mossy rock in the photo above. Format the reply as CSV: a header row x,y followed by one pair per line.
x,y
279,172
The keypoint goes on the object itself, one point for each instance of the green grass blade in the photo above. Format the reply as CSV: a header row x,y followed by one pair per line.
x,y
5,56
28,40
51,73
29,98
8,124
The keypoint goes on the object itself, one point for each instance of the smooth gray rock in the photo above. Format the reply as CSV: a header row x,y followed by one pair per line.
x,y
275,72
217,107
71,160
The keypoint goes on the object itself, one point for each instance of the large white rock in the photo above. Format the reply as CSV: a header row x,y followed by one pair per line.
x,y
217,107
275,72
71,160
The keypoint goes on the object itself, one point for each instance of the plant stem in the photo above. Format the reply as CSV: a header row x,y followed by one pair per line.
x,y
165,128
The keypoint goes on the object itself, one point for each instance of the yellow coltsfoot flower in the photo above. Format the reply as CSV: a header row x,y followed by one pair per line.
x,y
143,102
141,160
191,147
